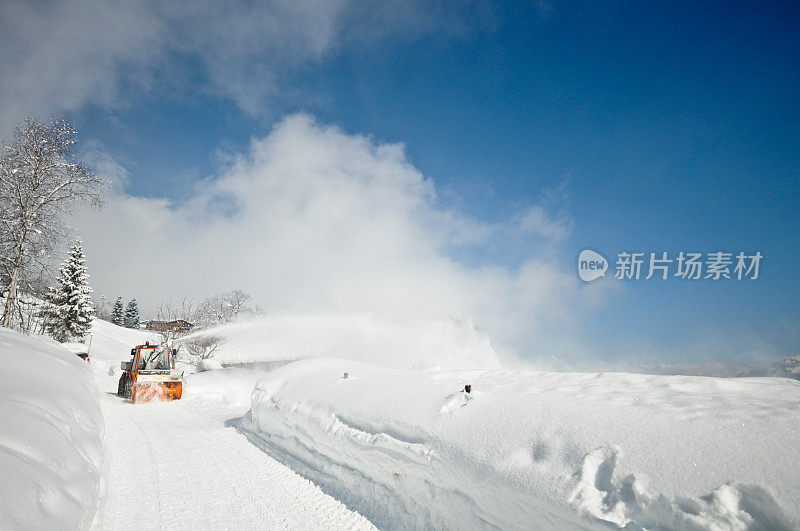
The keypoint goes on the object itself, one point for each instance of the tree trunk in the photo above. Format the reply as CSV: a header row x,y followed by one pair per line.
x,y
12,292
12,283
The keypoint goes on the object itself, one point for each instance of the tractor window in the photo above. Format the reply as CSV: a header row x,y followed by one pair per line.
x,y
142,358
157,358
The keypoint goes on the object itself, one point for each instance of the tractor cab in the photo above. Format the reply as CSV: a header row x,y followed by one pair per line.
x,y
150,374
151,357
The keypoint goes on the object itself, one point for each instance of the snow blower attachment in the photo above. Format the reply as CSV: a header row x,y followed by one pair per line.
x,y
150,375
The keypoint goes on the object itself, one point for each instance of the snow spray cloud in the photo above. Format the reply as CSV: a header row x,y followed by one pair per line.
x,y
412,345
314,219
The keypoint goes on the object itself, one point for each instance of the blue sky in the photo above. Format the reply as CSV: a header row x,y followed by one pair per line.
x,y
641,126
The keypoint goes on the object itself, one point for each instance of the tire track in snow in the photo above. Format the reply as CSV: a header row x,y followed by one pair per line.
x,y
176,465
154,471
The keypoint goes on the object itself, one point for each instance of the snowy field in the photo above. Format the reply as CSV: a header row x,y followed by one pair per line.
x,y
304,447
537,450
402,443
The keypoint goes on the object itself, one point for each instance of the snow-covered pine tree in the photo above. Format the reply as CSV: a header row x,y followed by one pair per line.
x,y
132,314
103,309
118,313
69,311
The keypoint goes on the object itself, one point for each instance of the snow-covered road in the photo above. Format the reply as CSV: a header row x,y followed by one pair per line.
x,y
177,465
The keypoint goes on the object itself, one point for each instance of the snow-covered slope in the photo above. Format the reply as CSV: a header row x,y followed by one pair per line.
x,y
537,450
292,336
50,436
110,344
113,343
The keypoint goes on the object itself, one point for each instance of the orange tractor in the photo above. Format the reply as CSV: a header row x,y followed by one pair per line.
x,y
150,375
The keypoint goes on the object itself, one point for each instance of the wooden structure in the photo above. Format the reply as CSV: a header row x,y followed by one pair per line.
x,y
178,325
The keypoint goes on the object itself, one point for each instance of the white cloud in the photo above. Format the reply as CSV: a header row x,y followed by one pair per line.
x,y
314,219
58,56
94,154
536,221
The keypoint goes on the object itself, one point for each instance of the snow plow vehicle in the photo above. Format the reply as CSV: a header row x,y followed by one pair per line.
x,y
150,375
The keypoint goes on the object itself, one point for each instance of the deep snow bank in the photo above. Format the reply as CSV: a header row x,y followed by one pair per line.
x,y
233,387
50,442
537,450
365,338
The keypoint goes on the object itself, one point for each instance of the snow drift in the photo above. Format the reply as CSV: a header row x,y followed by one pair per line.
x,y
232,386
536,450
51,441
292,336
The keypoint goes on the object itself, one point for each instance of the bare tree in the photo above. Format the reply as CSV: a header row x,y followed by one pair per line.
x,y
201,347
239,302
218,309
223,308
171,310
39,182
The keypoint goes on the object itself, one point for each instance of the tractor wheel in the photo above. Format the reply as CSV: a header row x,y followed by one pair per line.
x,y
121,386
128,390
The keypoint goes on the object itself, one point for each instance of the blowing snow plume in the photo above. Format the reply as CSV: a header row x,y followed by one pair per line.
x,y
312,219
365,338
